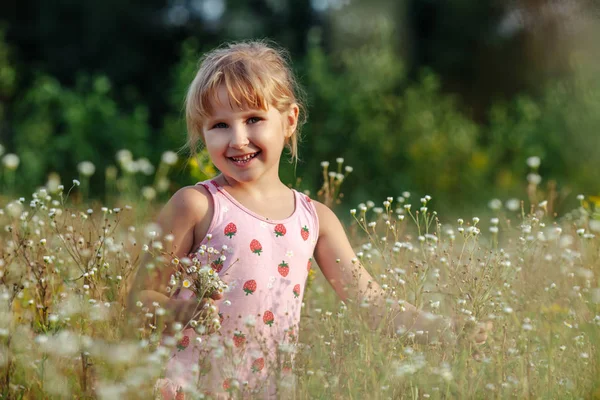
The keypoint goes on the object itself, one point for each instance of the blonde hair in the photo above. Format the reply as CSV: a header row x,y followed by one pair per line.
x,y
256,74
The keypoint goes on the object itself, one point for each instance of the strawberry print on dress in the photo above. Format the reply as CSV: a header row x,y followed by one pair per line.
x,y
183,343
255,246
268,318
305,232
250,287
258,364
280,230
283,268
217,265
230,230
239,339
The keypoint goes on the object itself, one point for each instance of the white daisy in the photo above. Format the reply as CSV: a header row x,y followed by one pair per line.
x,y
187,283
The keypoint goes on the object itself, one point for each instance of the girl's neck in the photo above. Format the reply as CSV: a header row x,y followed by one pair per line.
x,y
256,189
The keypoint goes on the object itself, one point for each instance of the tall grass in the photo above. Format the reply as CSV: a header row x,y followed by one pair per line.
x,y
65,269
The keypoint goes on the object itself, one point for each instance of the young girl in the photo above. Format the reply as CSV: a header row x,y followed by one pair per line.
x,y
244,106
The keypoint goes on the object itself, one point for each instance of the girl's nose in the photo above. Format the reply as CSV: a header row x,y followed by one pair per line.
x,y
239,138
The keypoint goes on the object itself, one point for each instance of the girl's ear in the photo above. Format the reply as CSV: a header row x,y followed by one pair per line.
x,y
291,120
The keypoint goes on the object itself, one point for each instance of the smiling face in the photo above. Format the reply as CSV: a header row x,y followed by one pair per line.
x,y
245,143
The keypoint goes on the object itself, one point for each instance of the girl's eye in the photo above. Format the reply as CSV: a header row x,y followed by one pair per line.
x,y
253,120
220,125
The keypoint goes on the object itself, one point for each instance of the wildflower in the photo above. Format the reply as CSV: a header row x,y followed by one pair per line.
x,y
186,283
149,193
493,229
324,164
144,165
76,182
348,169
11,161
339,160
580,197
533,162
124,156
353,211
495,204
513,204
86,168
169,158
534,179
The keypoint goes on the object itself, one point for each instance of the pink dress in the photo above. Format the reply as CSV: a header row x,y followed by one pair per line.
x,y
266,267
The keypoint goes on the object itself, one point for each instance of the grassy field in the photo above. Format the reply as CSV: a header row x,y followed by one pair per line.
x,y
65,268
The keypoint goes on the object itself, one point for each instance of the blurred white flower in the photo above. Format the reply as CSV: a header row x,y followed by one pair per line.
x,y
533,162
124,156
53,182
148,193
162,185
130,166
169,157
534,179
495,204
513,204
11,161
144,165
86,168
324,164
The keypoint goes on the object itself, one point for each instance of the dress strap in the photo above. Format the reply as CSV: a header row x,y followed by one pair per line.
x,y
211,185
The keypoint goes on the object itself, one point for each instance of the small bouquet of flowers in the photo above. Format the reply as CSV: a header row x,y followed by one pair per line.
x,y
199,272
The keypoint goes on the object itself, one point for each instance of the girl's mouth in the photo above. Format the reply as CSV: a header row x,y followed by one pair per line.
x,y
244,159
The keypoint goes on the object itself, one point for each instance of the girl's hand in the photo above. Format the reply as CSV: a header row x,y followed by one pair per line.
x,y
480,332
472,333
204,311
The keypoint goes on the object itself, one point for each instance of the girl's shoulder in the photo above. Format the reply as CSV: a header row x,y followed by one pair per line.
x,y
192,204
191,199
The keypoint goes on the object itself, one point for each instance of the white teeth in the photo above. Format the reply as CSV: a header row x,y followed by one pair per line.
x,y
244,158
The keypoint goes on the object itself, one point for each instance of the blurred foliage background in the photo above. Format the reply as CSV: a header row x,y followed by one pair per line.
x,y
447,98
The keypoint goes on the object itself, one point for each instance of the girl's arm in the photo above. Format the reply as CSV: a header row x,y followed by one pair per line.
x,y
334,255
186,215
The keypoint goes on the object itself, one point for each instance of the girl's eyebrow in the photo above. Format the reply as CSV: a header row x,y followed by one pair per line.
x,y
242,114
